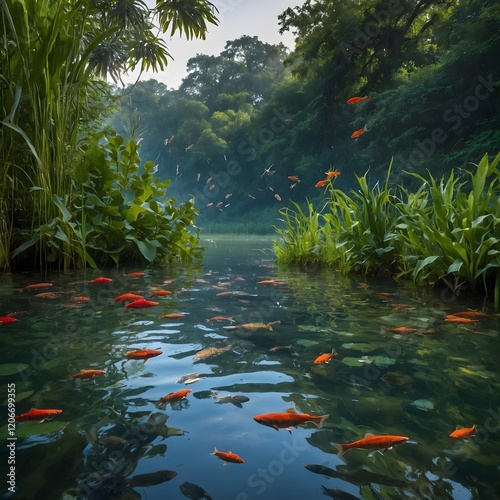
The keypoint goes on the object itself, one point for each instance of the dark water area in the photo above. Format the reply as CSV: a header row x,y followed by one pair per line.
x,y
112,441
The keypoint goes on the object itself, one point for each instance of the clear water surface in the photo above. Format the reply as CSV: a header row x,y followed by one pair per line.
x,y
112,441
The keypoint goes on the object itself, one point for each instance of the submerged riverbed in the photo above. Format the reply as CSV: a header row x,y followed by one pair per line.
x,y
112,441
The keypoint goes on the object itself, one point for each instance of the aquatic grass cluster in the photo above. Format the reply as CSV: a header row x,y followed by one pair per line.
x,y
447,232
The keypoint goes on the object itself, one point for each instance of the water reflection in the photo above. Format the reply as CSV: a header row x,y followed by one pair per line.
x,y
111,441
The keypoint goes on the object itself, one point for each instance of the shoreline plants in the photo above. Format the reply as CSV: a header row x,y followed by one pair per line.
x,y
447,232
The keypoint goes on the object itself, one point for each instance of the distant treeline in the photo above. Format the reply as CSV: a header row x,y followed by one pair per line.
x,y
244,121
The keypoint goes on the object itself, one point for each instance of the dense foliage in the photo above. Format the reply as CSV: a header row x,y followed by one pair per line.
x,y
447,231
54,56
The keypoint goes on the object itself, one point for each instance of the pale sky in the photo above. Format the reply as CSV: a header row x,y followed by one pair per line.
x,y
236,18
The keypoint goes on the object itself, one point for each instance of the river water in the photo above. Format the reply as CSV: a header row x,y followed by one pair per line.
x,y
112,441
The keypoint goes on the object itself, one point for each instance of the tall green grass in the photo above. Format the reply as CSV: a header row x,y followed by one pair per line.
x,y
447,232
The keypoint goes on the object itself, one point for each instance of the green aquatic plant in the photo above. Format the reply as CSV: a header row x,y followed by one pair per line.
x,y
445,232
453,234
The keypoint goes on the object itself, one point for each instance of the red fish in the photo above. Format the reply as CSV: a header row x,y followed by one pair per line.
x,y
358,132
172,316
101,279
35,414
471,314
36,286
355,100
332,174
171,397
270,282
221,318
127,297
7,319
141,303
450,318
288,419
135,274
48,295
371,442
325,358
294,178
81,298
144,354
464,432
161,293
227,456
320,184
401,329
86,374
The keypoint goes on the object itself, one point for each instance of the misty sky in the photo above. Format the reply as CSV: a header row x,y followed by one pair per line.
x,y
236,18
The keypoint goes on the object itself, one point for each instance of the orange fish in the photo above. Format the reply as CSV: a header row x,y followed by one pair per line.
x,y
450,318
471,314
144,354
127,297
7,319
294,178
161,293
35,414
36,286
401,329
270,282
288,419
332,174
101,279
171,397
47,295
358,132
370,442
141,303
172,315
227,456
81,298
464,432
135,274
355,100
221,318
325,358
320,184
86,374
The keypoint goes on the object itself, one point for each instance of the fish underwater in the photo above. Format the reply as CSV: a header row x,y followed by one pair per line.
x,y
141,303
359,132
287,419
236,400
7,319
227,456
210,352
325,358
87,374
127,297
253,326
371,442
356,100
37,414
144,354
101,279
171,397
464,432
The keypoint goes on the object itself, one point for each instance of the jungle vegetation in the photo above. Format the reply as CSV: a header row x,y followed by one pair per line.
x,y
71,193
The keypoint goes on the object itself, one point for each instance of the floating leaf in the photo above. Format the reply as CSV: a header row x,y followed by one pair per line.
x,y
12,368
